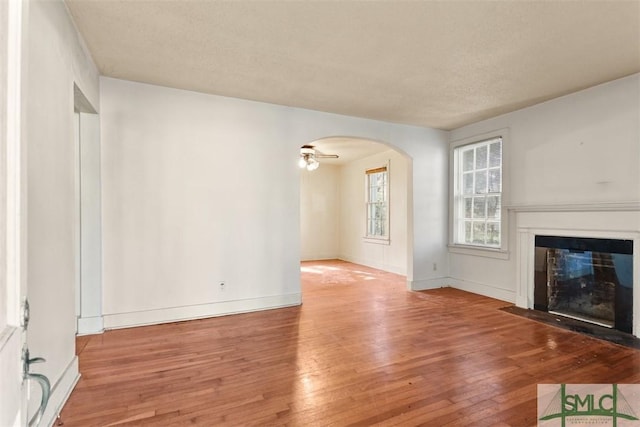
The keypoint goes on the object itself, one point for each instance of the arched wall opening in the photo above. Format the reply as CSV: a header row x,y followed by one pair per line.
x,y
427,187
333,216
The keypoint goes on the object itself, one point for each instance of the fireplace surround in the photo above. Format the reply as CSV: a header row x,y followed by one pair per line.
x,y
586,223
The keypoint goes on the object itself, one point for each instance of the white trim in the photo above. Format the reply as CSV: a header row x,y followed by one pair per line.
x,y
173,314
426,284
464,285
579,207
319,257
377,265
13,392
367,238
90,325
526,246
377,240
77,217
60,392
524,264
479,251
505,191
483,289
15,160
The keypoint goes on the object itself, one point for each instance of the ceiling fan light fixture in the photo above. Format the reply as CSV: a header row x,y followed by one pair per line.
x,y
307,150
312,164
308,156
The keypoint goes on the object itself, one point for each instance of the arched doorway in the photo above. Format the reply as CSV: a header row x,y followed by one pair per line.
x,y
335,210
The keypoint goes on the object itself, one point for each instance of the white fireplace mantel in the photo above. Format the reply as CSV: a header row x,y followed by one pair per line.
x,y
595,224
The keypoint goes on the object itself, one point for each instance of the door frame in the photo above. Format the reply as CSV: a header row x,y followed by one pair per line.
x,y
13,390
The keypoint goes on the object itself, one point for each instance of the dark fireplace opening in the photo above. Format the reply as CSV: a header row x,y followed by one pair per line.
x,y
586,279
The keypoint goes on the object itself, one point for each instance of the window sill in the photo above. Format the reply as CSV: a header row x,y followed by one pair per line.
x,y
481,251
377,240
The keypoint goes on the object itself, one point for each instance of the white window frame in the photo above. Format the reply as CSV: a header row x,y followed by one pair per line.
x,y
455,205
370,237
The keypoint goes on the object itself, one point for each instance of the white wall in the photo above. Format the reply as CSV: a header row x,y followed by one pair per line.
x,y
200,188
196,190
90,298
353,247
56,60
319,212
579,152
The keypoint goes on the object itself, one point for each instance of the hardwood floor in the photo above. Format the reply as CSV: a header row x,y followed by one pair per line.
x,y
361,350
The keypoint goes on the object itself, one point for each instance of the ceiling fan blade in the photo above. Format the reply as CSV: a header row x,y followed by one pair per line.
x,y
309,150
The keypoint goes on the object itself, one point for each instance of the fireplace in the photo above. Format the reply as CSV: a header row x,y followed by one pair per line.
x,y
589,279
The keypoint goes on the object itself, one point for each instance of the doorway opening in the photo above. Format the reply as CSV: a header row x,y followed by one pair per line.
x,y
346,216
88,237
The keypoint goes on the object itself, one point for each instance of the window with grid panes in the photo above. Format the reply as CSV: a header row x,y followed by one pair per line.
x,y
478,193
377,203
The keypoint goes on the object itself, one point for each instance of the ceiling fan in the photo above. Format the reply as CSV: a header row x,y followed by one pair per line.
x,y
309,156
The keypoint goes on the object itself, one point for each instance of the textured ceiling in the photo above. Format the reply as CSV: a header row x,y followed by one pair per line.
x,y
440,64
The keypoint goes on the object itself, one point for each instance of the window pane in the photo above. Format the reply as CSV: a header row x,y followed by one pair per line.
x,y
495,154
494,181
481,182
467,183
477,196
479,205
377,205
467,232
493,207
468,205
478,232
376,179
493,233
481,157
467,160
370,229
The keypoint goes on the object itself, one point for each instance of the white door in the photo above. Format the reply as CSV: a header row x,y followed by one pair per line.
x,y
13,307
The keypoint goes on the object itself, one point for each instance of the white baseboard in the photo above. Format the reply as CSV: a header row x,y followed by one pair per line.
x,y
482,289
60,392
90,325
424,284
317,257
173,314
373,264
521,301
464,285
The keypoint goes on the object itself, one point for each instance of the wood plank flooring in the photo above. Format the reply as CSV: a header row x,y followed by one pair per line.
x,y
361,350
